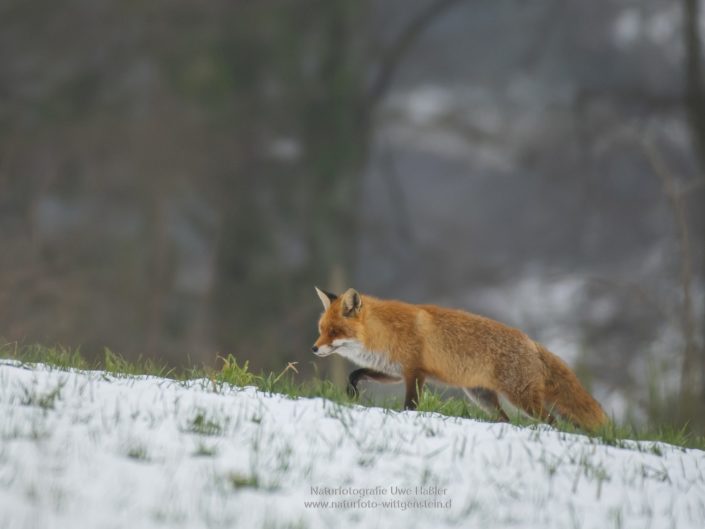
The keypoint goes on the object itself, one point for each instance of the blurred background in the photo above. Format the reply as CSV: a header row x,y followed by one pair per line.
x,y
176,176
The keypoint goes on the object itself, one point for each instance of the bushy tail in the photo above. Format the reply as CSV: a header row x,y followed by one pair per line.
x,y
567,396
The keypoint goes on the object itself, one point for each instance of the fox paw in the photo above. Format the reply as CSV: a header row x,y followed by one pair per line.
x,y
352,391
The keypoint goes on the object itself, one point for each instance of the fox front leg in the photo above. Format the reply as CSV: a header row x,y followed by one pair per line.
x,y
366,373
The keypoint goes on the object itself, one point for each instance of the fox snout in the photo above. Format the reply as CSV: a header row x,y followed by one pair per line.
x,y
322,351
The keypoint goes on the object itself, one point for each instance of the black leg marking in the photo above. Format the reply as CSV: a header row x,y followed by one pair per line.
x,y
365,373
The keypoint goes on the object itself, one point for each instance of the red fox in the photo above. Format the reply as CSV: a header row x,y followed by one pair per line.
x,y
394,341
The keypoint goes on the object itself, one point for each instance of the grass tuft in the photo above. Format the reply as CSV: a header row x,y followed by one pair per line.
x,y
203,425
43,400
203,450
138,453
241,481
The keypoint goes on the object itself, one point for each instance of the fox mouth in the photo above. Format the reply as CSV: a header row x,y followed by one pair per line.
x,y
323,354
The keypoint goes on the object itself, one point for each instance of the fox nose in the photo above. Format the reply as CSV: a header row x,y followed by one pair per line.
x,y
314,349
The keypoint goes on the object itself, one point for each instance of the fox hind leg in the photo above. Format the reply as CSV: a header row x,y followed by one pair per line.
x,y
533,403
488,401
414,385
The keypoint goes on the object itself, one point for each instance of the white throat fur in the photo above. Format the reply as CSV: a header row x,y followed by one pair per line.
x,y
354,351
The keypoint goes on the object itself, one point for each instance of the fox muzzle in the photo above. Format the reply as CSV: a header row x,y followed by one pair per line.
x,y
324,350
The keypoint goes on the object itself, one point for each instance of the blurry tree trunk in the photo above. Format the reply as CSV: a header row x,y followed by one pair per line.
x,y
243,292
339,366
337,135
677,198
157,275
695,105
695,78
239,290
330,102
337,138
335,141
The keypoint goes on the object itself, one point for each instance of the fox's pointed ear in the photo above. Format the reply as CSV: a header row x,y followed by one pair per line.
x,y
326,297
352,303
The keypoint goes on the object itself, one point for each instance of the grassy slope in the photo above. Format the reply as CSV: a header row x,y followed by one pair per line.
x,y
286,383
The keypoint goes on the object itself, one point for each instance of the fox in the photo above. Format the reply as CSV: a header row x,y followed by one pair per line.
x,y
393,341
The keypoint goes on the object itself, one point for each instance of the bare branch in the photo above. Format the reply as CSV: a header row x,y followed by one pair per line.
x,y
695,97
389,64
694,185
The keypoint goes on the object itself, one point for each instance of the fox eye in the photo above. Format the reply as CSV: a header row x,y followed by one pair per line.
x,y
334,332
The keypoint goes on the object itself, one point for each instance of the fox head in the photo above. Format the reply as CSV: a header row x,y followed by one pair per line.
x,y
340,324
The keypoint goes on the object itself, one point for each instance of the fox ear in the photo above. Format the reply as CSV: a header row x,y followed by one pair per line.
x,y
352,303
326,297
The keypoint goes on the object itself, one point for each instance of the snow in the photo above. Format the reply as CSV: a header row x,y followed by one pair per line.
x,y
661,27
88,449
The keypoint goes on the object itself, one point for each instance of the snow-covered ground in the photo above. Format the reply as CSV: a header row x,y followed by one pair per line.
x,y
87,449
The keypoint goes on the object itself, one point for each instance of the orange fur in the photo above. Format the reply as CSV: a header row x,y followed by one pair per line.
x,y
460,349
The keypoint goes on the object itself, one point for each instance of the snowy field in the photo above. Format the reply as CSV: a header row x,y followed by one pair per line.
x,y
90,450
